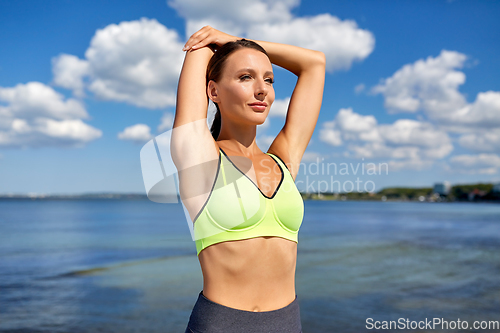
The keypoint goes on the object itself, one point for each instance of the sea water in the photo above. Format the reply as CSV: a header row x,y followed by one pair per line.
x,y
131,266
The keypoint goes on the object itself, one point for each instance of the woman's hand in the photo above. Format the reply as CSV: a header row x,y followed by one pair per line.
x,y
206,36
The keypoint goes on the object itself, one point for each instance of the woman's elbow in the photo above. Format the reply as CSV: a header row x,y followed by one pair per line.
x,y
320,58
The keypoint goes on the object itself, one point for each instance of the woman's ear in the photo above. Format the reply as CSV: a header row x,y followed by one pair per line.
x,y
212,91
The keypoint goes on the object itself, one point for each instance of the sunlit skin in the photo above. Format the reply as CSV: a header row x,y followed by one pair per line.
x,y
256,274
247,78
264,265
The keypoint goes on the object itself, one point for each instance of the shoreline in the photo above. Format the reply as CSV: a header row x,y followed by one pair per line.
x,y
305,196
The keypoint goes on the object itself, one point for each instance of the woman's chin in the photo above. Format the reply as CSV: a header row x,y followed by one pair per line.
x,y
261,122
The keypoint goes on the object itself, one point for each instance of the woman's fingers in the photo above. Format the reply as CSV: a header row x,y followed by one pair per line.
x,y
197,37
198,43
201,31
205,36
203,42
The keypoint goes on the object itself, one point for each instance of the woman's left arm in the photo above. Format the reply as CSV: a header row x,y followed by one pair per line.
x,y
305,102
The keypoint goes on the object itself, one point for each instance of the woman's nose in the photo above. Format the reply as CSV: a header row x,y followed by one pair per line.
x,y
261,88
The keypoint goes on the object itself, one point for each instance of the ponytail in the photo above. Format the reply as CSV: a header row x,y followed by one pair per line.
x,y
216,124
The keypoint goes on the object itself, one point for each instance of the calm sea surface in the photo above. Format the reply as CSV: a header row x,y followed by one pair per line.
x,y
131,266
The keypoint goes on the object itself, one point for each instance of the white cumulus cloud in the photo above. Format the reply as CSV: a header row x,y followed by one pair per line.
x,y
410,164
138,133
137,62
359,88
431,86
69,71
342,41
476,164
166,122
37,99
233,17
35,115
357,127
483,113
411,144
412,132
330,135
279,107
485,141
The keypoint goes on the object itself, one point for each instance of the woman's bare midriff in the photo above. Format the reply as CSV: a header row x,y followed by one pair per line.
x,y
256,274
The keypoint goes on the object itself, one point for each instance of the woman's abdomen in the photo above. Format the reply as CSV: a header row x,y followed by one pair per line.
x,y
256,274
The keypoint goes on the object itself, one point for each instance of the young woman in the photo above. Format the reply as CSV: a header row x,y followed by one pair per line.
x,y
244,203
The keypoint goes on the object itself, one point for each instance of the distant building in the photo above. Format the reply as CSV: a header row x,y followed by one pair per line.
x,y
443,188
496,188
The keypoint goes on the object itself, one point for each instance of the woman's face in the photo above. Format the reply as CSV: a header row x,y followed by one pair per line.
x,y
245,91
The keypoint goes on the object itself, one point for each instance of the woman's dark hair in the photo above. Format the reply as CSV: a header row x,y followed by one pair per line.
x,y
215,67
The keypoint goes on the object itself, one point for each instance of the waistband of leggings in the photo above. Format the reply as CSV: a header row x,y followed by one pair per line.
x,y
203,298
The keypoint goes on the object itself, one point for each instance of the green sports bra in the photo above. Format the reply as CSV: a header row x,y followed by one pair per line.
x,y
237,209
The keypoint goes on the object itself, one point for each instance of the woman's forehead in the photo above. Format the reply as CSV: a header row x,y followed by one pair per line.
x,y
246,58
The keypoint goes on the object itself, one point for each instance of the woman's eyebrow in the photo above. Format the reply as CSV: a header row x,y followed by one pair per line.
x,y
251,70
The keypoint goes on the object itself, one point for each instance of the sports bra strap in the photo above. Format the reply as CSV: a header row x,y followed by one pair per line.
x,y
280,162
222,169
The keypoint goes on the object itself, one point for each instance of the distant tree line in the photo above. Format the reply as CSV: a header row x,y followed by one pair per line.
x,y
466,192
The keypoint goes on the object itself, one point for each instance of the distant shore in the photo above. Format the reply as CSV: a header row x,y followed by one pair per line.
x,y
366,196
480,192
85,196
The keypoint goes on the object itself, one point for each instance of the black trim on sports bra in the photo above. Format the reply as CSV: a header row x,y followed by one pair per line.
x,y
244,174
213,185
286,166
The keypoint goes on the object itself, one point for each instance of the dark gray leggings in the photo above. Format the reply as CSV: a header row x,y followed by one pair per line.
x,y
210,317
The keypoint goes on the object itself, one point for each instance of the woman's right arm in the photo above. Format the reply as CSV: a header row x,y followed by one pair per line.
x,y
192,102
193,148
192,143
190,134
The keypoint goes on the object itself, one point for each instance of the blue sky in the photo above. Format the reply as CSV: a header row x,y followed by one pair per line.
x,y
410,84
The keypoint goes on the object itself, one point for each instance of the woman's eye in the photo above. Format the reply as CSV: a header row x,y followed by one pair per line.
x,y
270,80
244,77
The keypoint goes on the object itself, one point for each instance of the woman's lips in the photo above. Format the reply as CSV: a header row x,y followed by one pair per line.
x,y
258,106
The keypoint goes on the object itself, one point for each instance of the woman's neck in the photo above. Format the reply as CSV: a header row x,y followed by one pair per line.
x,y
239,139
